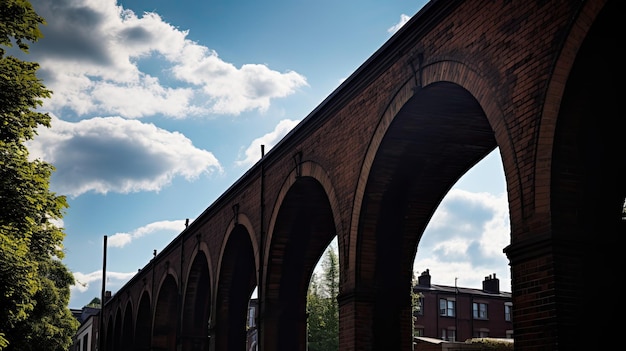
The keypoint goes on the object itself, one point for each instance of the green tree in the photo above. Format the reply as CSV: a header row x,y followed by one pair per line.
x,y
95,302
416,304
34,283
322,307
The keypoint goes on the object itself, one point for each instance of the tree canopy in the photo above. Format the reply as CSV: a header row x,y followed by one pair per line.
x,y
34,283
322,307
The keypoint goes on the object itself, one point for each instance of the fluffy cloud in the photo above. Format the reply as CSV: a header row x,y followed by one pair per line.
x,y
168,227
97,57
84,281
465,239
112,154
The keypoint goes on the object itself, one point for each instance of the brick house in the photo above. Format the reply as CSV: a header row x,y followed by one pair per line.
x,y
456,313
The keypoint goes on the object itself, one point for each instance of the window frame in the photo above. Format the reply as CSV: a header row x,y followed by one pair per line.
x,y
447,307
448,334
508,311
480,310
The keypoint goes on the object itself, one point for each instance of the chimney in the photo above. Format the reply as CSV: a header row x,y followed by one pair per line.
x,y
424,279
491,284
107,297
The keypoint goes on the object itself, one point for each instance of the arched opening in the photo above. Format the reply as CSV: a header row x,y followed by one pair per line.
x,y
237,280
196,310
127,329
304,227
118,330
460,260
439,134
109,334
143,329
322,304
165,316
588,176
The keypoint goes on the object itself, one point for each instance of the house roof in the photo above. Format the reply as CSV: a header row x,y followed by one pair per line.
x,y
460,290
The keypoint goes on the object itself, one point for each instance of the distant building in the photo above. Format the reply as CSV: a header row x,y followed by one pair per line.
x,y
456,314
251,326
87,334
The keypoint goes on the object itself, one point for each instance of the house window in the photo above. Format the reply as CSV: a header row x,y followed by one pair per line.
x,y
446,307
448,334
418,332
479,310
86,342
508,311
482,333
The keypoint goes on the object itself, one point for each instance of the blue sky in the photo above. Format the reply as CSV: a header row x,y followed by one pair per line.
x,y
159,106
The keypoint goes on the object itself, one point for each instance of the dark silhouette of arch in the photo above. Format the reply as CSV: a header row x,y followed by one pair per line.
x,y
588,160
143,328
109,334
117,333
439,134
237,280
304,228
166,316
196,310
127,336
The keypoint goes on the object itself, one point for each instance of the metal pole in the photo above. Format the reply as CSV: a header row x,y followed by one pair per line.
x,y
456,310
259,286
104,277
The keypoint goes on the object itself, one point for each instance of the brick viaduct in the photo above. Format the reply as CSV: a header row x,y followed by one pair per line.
x,y
536,79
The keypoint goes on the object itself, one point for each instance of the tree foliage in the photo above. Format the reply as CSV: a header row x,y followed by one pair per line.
x,y
322,307
34,283
416,304
323,310
95,302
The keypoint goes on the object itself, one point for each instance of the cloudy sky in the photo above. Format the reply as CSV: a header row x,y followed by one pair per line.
x,y
159,106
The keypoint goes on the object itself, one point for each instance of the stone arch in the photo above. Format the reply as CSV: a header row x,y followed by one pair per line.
x,y
236,281
582,169
117,332
436,72
243,220
128,332
302,225
109,335
554,98
143,326
441,130
316,171
196,304
166,315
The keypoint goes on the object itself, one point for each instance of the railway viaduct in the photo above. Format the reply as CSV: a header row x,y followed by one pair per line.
x,y
369,166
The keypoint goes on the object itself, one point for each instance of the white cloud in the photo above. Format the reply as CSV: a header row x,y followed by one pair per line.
x,y
112,154
98,57
145,97
403,20
169,227
233,90
455,249
83,281
253,153
465,239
